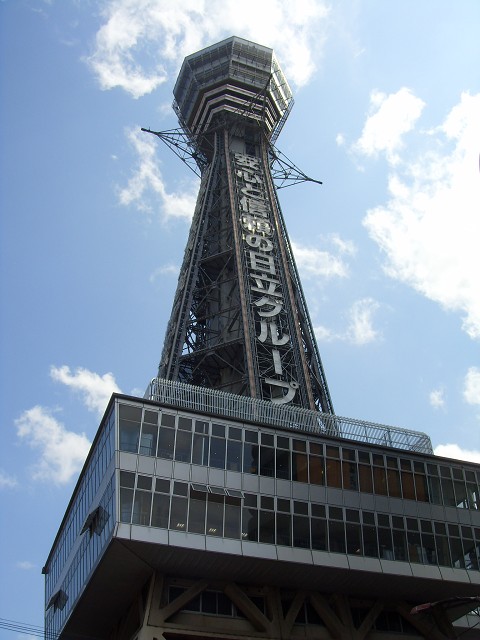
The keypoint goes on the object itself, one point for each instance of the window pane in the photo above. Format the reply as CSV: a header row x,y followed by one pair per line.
x,y
250,524
354,539
319,534
126,501
283,464
161,504
299,467
234,455
301,532
370,541
250,457
214,518
217,453
334,478
141,508
129,436
183,446
178,515
380,481
148,440
284,534
267,461
316,467
408,486
196,516
385,543
232,521
200,449
165,443
365,472
336,531
267,526
393,478
350,478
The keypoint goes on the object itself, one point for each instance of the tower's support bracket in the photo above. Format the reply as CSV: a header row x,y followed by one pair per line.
x,y
173,608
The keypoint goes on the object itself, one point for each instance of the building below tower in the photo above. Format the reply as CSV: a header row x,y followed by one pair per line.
x,y
201,514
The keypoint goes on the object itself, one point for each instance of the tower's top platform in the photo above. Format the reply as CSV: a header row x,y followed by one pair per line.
x,y
235,76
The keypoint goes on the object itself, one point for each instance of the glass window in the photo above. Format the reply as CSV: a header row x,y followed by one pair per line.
x,y
178,514
250,457
200,449
334,476
415,551
218,430
126,502
129,435
299,466
354,539
385,543
399,545
365,473
350,477
443,551
165,443
283,463
150,416
234,433
144,482
215,515
393,479
301,532
284,532
142,507
380,481
234,455
162,486
183,446
184,424
267,527
196,512
448,494
267,461
129,412
316,469
217,453
148,440
370,541
168,420
250,524
336,535
232,518
319,534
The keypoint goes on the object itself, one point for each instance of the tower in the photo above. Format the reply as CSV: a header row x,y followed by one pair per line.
x,y
230,502
239,321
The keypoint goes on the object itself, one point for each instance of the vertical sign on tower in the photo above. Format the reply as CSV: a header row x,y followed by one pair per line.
x,y
266,290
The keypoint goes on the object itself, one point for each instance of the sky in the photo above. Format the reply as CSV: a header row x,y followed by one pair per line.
x,y
95,216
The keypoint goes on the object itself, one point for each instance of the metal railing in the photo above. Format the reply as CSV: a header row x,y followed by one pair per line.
x,y
243,408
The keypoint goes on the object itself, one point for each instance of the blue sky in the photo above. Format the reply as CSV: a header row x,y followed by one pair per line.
x,y
95,217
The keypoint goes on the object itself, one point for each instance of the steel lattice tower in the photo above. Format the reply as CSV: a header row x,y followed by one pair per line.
x,y
239,321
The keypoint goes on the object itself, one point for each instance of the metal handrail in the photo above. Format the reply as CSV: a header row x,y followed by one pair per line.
x,y
244,408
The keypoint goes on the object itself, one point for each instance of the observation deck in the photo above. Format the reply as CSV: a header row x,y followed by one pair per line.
x,y
234,76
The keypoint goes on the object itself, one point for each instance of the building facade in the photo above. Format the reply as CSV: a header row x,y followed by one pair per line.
x,y
231,502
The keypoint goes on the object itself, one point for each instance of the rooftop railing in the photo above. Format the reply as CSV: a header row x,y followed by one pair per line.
x,y
245,409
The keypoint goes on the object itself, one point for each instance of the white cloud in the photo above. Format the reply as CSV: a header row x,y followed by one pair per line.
x,y
314,262
471,391
165,270
25,565
437,398
96,389
429,229
172,29
392,116
62,452
147,180
454,451
7,481
359,330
